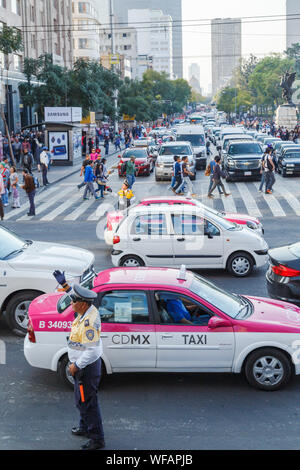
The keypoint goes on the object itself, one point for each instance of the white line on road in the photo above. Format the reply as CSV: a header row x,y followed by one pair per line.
x,y
80,209
249,200
61,208
273,204
49,203
40,197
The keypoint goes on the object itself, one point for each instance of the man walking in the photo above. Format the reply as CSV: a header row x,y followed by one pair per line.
x,y
130,172
186,177
44,159
211,167
178,175
27,160
89,178
217,175
29,187
269,170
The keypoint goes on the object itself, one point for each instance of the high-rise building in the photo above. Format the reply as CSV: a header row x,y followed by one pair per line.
x,y
168,7
292,22
226,50
154,43
125,45
41,23
194,71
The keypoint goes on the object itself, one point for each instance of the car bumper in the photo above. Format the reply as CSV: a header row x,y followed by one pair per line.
x,y
108,237
163,173
260,259
282,288
201,162
236,173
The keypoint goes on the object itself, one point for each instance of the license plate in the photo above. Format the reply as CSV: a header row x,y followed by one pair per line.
x,y
248,173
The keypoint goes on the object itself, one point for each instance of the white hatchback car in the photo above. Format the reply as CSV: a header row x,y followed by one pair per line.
x,y
26,269
173,235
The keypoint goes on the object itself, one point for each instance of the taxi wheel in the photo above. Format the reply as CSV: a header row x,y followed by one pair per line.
x,y
17,311
240,264
66,377
268,369
131,261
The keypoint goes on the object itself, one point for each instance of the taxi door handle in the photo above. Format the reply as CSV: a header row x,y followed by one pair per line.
x,y
136,239
180,239
167,336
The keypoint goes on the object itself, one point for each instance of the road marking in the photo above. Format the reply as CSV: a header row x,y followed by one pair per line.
x,y
229,204
61,208
289,197
248,200
40,197
273,204
107,205
80,209
48,204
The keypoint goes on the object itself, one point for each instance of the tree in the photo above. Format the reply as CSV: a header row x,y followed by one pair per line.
x,y
226,100
10,42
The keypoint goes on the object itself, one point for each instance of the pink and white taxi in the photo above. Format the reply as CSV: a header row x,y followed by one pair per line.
x,y
170,320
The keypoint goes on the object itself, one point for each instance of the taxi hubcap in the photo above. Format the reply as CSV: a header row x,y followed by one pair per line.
x,y
268,370
131,263
21,313
240,265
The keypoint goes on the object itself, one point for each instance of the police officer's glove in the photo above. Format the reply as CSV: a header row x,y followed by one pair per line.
x,y
60,277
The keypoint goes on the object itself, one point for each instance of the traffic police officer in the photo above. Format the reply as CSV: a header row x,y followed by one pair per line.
x,y
84,351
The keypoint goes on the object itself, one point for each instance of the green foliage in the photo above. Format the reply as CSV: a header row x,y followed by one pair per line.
x,y
10,40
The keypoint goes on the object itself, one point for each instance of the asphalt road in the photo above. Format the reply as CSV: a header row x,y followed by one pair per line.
x,y
148,411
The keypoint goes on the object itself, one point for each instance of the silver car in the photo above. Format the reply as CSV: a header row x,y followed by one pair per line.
x,y
165,160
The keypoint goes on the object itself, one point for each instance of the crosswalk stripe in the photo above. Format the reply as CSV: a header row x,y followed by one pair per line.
x,y
40,197
289,197
248,200
107,205
49,203
273,204
80,210
229,204
61,208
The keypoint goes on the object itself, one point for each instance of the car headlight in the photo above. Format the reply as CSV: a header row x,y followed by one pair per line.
x,y
251,225
161,165
231,163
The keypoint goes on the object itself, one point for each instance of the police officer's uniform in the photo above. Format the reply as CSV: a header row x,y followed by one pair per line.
x,y
85,350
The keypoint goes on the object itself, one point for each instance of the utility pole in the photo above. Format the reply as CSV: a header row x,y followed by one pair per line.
x,y
115,92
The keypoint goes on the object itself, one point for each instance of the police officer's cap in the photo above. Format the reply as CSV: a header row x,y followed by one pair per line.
x,y
83,295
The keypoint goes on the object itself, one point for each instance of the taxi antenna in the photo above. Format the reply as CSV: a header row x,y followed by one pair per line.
x,y
182,273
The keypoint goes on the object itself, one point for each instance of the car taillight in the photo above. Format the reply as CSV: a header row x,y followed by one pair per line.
x,y
281,270
116,239
30,330
109,226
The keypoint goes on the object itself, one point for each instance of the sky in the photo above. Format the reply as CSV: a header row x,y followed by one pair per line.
x,y
258,38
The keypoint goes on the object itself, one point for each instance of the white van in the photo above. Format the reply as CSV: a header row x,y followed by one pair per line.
x,y
196,136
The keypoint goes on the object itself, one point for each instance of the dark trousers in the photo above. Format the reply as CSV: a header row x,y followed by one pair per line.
x,y
1,209
31,202
179,181
44,175
90,414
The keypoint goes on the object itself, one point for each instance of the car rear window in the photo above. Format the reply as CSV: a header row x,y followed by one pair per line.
x,y
176,150
136,153
294,154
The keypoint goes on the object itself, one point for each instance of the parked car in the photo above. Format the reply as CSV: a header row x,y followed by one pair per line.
x,y
144,162
165,159
172,235
243,159
26,269
283,275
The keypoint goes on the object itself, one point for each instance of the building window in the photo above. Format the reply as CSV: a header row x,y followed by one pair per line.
x,y
33,41
84,7
16,7
17,62
83,43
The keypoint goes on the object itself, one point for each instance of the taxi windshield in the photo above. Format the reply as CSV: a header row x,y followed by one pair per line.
x,y
230,304
65,301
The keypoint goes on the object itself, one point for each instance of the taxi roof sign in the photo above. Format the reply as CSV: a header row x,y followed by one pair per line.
x,y
182,273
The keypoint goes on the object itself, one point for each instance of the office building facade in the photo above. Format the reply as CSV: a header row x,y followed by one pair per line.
x,y
292,22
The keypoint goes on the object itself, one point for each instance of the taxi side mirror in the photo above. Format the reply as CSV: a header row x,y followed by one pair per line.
x,y
218,322
119,156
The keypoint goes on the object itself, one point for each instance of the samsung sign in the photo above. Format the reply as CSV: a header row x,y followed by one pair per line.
x,y
60,114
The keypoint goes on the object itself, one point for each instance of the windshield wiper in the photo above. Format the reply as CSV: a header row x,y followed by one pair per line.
x,y
15,252
246,305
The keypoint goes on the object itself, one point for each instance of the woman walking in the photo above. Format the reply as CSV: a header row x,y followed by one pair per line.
x,y
14,180
217,175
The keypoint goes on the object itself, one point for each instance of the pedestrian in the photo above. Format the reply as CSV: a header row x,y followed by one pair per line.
x,y
44,159
14,180
2,191
173,179
210,172
90,144
125,196
118,143
217,181
29,188
27,160
84,351
130,171
89,178
99,177
186,174
17,147
106,144
5,173
178,175
269,170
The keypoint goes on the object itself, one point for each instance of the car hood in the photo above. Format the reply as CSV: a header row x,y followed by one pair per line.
x,y
42,256
272,316
199,148
291,160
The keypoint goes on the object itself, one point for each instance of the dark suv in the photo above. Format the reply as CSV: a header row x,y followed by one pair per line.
x,y
288,162
242,159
